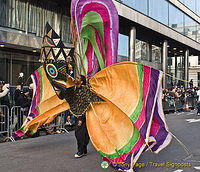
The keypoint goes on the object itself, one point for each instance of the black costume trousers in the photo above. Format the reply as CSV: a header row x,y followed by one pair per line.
x,y
82,137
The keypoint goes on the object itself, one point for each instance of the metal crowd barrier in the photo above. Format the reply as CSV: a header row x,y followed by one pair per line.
x,y
4,120
171,105
58,124
192,102
17,117
168,105
11,120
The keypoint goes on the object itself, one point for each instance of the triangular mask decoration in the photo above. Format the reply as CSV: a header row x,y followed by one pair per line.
x,y
42,56
56,41
56,51
45,31
50,34
45,44
50,42
61,57
66,50
50,56
47,49
53,42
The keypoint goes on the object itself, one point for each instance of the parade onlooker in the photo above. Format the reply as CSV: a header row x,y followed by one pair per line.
x,y
198,95
23,99
4,100
191,83
4,94
71,120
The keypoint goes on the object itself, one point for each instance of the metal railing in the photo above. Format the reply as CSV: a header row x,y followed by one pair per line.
x,y
12,119
4,120
58,124
17,117
171,105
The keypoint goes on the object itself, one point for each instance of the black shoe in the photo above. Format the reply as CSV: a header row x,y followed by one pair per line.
x,y
79,155
85,153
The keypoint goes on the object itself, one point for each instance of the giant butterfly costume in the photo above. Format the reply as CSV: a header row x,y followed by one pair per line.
x,y
124,112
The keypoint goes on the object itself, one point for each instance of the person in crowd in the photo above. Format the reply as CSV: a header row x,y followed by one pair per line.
x,y
30,90
23,99
175,94
191,83
172,84
198,100
70,121
58,124
4,94
4,100
180,96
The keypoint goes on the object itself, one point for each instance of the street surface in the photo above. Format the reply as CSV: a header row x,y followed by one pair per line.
x,y
54,153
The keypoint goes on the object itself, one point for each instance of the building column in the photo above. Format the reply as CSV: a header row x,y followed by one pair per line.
x,y
150,52
132,43
164,63
176,69
181,70
27,17
186,68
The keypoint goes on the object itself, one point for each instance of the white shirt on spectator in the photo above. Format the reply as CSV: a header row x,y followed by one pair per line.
x,y
5,90
198,94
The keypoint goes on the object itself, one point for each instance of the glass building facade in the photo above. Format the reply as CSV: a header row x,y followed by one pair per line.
x,y
29,17
12,63
193,5
166,13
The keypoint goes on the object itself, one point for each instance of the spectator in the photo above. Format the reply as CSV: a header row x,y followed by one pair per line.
x,y
4,100
4,94
198,95
70,120
177,98
31,91
22,99
191,83
175,94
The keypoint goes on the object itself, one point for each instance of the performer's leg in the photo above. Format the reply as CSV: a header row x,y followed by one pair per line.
x,y
198,109
80,141
86,138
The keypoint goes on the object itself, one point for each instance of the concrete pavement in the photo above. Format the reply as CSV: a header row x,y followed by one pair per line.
x,y
55,152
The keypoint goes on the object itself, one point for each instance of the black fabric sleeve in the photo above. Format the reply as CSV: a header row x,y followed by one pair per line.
x,y
82,118
62,95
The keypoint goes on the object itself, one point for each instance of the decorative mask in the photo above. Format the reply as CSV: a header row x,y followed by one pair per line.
x,y
56,59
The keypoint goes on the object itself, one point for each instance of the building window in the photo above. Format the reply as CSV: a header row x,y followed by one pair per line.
x,y
198,78
12,63
176,18
31,17
198,60
13,14
123,45
191,4
158,10
190,27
